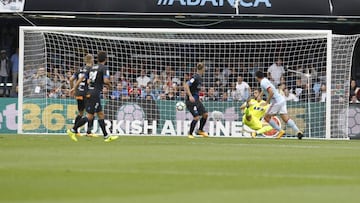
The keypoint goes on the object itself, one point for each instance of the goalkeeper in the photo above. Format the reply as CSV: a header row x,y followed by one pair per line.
x,y
254,111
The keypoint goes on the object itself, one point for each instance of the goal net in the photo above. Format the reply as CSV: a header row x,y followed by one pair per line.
x,y
149,67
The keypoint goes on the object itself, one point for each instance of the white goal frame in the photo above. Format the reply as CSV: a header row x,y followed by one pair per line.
x,y
328,33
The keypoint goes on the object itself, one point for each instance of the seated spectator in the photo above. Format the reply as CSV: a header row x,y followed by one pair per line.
x,y
64,91
57,82
135,92
149,97
174,78
171,94
124,82
354,91
211,96
225,97
289,96
148,93
354,100
162,96
182,95
105,94
56,74
202,93
120,93
142,80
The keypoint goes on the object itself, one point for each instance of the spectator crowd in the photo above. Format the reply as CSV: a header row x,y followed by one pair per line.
x,y
219,83
149,82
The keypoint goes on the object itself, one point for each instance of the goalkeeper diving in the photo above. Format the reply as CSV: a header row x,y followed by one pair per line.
x,y
254,110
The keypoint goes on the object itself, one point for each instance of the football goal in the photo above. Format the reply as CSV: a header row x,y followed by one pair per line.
x,y
148,68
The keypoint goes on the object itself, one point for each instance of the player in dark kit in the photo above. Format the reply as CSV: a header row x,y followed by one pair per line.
x,y
80,88
193,103
98,76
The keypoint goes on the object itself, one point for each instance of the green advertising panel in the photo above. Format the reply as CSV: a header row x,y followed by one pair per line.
x,y
145,117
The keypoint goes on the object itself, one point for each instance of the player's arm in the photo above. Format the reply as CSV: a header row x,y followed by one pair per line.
x,y
260,96
247,114
187,90
243,106
76,85
270,95
72,79
107,80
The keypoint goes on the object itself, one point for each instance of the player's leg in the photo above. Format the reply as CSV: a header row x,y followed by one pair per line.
x,y
248,123
193,125
90,123
101,121
273,110
80,110
81,107
258,127
265,128
271,122
291,123
204,115
88,118
196,117
90,108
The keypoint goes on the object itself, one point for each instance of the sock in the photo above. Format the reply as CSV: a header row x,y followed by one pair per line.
x,y
80,123
292,125
78,117
102,126
90,125
192,127
202,123
274,125
264,129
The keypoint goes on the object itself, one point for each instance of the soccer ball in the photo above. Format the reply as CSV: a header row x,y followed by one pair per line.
x,y
180,106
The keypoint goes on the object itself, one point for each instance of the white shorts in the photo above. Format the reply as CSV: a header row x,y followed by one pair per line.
x,y
277,108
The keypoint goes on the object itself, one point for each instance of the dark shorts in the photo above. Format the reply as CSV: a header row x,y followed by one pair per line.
x,y
81,103
93,104
196,108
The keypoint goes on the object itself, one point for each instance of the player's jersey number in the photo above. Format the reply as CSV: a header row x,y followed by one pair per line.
x,y
92,77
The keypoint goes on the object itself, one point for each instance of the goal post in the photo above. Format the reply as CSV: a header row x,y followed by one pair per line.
x,y
149,66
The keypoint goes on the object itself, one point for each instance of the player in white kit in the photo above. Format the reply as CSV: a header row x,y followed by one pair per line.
x,y
277,105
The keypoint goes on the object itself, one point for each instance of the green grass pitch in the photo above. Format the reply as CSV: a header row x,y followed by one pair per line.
x,y
47,169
